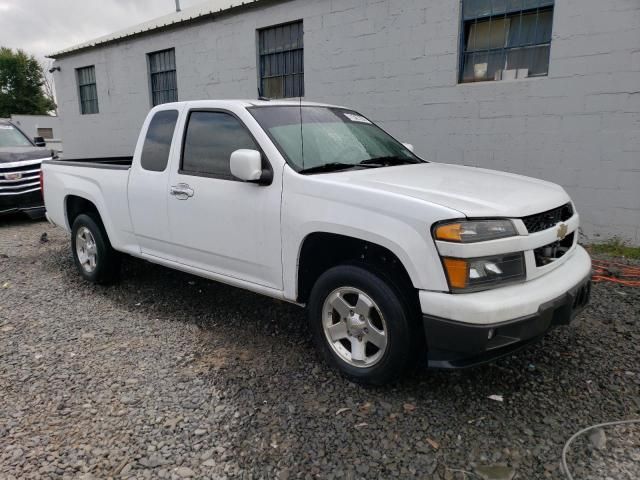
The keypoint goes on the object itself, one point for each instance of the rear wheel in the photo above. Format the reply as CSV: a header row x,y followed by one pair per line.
x,y
361,325
93,254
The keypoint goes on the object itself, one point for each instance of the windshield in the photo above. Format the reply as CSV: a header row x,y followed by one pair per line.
x,y
330,139
12,137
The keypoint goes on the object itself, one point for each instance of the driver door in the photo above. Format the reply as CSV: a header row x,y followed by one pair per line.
x,y
218,223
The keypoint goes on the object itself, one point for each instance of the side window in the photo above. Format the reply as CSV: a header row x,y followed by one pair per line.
x,y
210,140
155,152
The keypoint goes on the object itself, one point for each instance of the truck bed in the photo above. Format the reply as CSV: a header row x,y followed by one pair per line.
x,y
111,163
101,181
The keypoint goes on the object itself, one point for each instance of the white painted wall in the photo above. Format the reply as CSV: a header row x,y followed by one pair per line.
x,y
396,61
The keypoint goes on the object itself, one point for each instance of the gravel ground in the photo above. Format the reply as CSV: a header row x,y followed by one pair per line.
x,y
170,376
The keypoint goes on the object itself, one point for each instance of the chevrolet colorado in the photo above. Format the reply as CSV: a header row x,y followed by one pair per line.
x,y
314,204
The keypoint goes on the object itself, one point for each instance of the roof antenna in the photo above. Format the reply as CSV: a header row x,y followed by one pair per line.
x,y
178,9
301,133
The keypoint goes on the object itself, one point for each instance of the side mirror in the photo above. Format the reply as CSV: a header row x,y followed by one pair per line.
x,y
409,147
39,142
247,165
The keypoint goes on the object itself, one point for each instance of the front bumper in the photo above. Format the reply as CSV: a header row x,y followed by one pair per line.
x,y
30,203
457,345
480,327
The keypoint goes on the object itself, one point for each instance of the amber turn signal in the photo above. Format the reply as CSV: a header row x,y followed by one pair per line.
x,y
449,232
457,272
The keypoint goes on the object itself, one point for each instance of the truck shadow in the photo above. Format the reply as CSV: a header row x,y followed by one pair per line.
x,y
242,330
276,333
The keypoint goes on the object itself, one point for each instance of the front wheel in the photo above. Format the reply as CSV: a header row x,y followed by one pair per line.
x,y
93,254
361,325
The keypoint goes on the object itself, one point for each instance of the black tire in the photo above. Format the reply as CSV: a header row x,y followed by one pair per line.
x,y
403,333
107,264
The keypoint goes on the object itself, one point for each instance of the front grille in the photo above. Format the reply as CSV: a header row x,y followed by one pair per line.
x,y
18,178
545,220
552,252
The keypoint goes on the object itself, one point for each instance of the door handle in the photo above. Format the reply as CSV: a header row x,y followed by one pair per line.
x,y
182,191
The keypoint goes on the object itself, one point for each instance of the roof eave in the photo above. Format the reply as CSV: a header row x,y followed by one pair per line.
x,y
160,28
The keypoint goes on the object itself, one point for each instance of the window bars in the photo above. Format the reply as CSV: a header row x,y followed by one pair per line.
x,y
164,84
88,90
281,52
505,39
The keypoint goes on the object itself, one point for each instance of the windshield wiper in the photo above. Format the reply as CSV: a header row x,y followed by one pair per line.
x,y
336,167
390,160
370,163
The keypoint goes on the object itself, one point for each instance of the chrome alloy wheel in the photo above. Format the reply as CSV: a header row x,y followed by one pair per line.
x,y
354,327
86,249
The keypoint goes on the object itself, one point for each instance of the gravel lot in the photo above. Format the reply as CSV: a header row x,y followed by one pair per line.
x,y
170,376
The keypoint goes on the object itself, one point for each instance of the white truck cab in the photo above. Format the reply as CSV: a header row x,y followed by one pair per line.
x,y
392,255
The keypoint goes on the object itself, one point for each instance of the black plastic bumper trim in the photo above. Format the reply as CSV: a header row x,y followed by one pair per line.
x,y
453,344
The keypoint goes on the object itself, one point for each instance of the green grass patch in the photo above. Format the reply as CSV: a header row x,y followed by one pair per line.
x,y
615,248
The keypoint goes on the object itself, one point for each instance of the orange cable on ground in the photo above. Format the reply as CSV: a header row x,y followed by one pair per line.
x,y
615,272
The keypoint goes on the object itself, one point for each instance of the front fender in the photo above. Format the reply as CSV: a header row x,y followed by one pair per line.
x,y
397,223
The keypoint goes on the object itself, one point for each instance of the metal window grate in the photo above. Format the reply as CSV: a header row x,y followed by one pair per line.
x,y
45,132
281,51
504,39
88,90
164,83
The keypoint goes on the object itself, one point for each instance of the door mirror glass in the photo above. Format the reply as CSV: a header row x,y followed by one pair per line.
x,y
409,147
246,165
39,142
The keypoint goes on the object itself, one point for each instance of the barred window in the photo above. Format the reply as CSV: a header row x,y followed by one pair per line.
x,y
281,51
88,90
164,84
46,133
505,39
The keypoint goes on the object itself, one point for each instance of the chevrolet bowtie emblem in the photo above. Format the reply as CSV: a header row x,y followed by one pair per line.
x,y
562,231
13,176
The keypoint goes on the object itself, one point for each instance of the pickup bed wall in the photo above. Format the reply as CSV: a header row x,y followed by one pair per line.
x,y
79,178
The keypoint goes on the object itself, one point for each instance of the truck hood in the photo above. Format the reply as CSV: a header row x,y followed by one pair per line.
x,y
474,192
16,154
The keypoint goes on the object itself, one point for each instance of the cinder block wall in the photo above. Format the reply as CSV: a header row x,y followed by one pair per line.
x,y
397,62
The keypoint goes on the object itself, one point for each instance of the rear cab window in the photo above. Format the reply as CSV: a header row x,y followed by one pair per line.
x,y
157,143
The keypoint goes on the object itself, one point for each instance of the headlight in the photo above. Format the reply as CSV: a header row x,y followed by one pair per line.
x,y
474,231
474,274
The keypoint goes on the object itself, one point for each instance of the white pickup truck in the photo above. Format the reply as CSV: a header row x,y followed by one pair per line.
x,y
393,256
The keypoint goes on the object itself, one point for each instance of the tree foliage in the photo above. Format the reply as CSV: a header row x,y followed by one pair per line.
x,y
21,85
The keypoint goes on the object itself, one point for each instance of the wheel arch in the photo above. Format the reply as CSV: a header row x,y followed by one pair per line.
x,y
75,205
320,251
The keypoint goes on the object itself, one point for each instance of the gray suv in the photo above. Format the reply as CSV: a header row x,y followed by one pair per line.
x,y
20,160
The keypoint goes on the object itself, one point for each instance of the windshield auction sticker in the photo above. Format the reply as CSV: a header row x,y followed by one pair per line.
x,y
356,118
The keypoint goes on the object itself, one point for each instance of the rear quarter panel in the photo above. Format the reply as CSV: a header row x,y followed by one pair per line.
x,y
106,188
